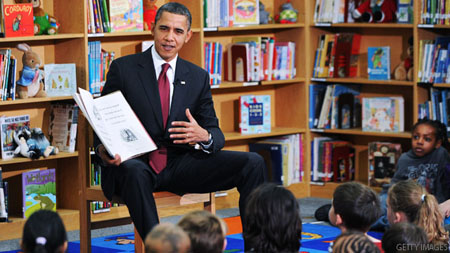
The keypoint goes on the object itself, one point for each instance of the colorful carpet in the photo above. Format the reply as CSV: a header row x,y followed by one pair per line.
x,y
315,238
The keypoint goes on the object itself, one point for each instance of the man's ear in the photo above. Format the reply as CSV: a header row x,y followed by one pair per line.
x,y
152,28
188,36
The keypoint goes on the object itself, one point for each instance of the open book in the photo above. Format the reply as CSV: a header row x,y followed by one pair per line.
x,y
115,123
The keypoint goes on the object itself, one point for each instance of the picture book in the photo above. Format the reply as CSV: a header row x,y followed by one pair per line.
x,y
405,11
246,12
255,114
383,114
379,63
126,15
63,125
273,158
18,20
60,79
36,190
383,157
8,127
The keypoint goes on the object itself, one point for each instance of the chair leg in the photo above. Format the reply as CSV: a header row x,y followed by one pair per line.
x,y
211,204
138,243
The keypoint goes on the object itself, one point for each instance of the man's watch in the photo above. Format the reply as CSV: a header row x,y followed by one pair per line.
x,y
209,140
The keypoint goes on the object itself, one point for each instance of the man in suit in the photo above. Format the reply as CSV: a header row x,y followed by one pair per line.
x,y
189,156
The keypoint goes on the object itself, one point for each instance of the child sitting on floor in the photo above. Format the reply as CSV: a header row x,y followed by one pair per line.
x,y
404,237
355,207
167,237
353,242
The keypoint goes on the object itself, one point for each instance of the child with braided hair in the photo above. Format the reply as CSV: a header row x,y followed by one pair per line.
x,y
408,201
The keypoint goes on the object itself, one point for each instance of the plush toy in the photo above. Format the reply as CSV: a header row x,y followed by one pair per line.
x,y
150,9
40,144
264,15
375,11
30,83
405,70
287,14
20,138
43,22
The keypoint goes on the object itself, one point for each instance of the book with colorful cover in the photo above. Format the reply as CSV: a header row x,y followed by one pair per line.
x,y
246,12
383,157
255,116
383,114
126,15
379,63
8,127
18,19
60,79
63,126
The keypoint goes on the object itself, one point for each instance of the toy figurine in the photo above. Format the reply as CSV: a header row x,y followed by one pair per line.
x,y
150,9
288,14
375,11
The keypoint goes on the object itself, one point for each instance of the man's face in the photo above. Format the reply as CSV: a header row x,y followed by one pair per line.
x,y
170,33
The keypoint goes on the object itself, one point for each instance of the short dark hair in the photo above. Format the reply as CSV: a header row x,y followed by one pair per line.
x,y
272,220
439,127
357,204
354,241
48,227
404,233
175,8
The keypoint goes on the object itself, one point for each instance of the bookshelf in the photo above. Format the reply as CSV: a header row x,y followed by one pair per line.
x,y
290,104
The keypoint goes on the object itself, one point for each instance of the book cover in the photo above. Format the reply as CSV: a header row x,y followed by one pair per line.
x,y
63,125
405,11
342,162
38,191
273,158
18,20
238,62
246,12
316,96
379,63
60,79
383,114
346,54
126,15
383,157
255,114
8,127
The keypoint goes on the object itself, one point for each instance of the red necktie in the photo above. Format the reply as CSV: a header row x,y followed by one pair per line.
x,y
158,158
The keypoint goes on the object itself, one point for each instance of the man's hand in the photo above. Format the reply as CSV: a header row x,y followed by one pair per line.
x,y
106,158
188,132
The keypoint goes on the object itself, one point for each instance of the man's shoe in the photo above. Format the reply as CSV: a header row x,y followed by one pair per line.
x,y
321,213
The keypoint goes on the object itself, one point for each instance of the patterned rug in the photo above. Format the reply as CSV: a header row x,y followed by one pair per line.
x,y
315,238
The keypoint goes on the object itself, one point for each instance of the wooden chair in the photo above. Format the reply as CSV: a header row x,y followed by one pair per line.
x,y
162,199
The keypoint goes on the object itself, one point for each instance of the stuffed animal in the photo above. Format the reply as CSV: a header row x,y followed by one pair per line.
x,y
405,70
30,83
20,138
150,9
287,14
375,11
43,22
40,144
264,15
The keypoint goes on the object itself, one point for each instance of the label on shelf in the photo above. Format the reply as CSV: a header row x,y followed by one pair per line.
x,y
319,130
318,79
425,26
210,29
317,183
250,83
96,35
322,24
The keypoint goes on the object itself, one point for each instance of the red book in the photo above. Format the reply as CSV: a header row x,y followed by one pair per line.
x,y
346,55
18,20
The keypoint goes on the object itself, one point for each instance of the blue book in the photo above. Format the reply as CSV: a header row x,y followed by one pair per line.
x,y
316,95
379,63
255,116
273,158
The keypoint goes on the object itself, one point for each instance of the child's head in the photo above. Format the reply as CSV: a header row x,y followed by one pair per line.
x,y
355,207
428,135
272,220
404,237
409,201
206,231
167,237
352,242
44,231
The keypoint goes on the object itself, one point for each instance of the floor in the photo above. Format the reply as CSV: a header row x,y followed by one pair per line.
x,y
307,208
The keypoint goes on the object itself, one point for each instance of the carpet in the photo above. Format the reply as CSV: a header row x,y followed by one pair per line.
x,y
316,238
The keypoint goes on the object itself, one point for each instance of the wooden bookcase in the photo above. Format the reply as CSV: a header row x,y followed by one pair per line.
x,y
290,104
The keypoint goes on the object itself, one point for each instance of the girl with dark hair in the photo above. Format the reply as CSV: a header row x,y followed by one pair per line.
x,y
44,232
272,220
404,236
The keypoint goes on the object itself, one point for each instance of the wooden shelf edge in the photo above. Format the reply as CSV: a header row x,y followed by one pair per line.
x,y
406,135
253,27
228,84
60,155
359,80
119,34
60,36
35,100
365,25
276,131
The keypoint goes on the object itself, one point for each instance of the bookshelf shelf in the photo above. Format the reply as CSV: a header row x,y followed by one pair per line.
x,y
366,25
21,160
228,85
254,27
359,80
406,135
429,26
276,131
35,100
61,36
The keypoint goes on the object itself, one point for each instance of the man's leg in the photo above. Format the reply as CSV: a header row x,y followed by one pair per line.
x,y
135,182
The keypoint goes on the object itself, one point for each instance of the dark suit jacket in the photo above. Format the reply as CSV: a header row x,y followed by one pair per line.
x,y
134,75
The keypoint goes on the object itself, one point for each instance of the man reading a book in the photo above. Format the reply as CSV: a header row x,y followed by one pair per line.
x,y
173,101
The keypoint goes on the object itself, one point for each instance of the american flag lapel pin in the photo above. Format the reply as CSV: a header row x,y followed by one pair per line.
x,y
183,82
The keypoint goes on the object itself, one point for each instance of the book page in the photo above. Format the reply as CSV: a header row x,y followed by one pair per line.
x,y
116,124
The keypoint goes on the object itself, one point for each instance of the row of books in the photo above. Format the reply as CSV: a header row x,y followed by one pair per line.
x,y
118,16
98,61
8,69
337,55
213,61
95,179
226,13
434,60
437,107
252,59
334,106
435,12
283,157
